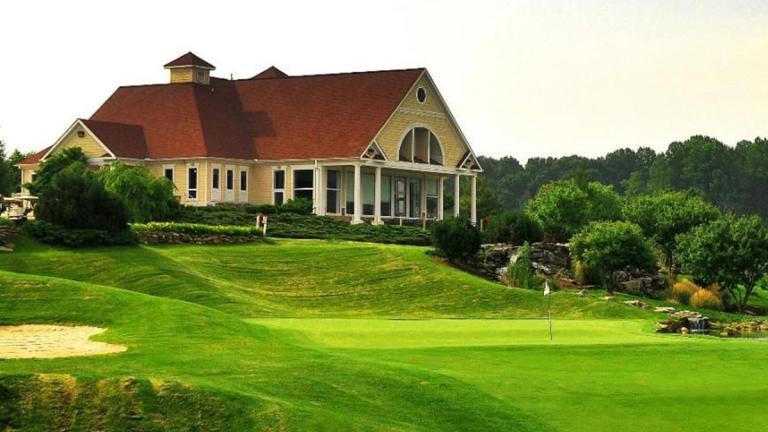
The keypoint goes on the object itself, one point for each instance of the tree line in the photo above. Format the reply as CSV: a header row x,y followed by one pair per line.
x,y
733,178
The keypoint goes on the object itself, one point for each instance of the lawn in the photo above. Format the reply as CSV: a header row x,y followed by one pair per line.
x,y
314,335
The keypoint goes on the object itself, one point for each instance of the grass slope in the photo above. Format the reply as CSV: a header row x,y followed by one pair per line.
x,y
304,278
210,347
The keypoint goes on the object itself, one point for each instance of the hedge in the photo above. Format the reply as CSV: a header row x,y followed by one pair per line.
x,y
198,229
77,238
321,227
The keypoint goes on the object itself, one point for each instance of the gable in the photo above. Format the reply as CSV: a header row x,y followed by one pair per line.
x,y
431,114
78,135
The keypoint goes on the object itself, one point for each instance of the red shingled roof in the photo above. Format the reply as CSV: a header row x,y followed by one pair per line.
x,y
189,59
270,72
35,158
305,117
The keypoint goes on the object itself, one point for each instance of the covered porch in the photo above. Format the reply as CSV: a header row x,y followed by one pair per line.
x,y
379,193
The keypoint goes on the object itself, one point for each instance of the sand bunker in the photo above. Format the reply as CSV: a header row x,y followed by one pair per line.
x,y
52,341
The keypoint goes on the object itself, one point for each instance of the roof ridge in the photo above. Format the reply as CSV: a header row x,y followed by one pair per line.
x,y
333,74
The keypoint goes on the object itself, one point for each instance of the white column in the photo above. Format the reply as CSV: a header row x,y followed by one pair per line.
x,y
377,198
474,200
456,195
423,195
440,198
357,217
320,190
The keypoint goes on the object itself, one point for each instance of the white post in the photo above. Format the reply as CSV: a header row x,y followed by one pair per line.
x,y
357,218
474,200
377,198
440,198
423,197
320,188
456,195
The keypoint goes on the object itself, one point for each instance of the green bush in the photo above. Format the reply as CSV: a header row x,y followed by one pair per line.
x,y
512,227
456,238
297,206
291,225
607,247
146,197
565,207
6,222
216,215
519,272
76,199
77,238
52,166
198,229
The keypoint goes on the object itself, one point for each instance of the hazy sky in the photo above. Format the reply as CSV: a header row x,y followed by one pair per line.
x,y
523,78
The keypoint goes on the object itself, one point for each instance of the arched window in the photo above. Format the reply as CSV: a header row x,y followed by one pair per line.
x,y
420,145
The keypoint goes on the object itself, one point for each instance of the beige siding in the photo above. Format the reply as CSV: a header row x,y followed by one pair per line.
x,y
433,115
260,184
88,143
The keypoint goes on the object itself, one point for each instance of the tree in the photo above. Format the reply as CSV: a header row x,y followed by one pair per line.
x,y
456,238
513,228
563,207
665,216
146,197
53,165
731,252
75,198
607,247
7,174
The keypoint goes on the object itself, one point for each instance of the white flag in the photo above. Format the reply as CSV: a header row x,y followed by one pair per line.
x,y
547,291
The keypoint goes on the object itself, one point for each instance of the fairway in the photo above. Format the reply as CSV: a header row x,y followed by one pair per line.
x,y
315,335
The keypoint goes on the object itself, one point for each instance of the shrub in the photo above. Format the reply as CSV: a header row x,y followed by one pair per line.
x,y
519,273
513,228
607,247
6,222
683,291
198,229
298,206
291,225
456,238
52,166
76,199
146,197
77,238
665,216
565,207
731,251
706,299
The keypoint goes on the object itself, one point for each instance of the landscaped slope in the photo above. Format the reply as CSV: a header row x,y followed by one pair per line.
x,y
237,375
300,278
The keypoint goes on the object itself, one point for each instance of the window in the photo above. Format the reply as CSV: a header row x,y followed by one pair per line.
x,y
192,183
230,179
432,186
421,95
420,145
168,173
400,196
278,187
414,198
333,191
303,183
368,193
215,177
243,180
386,195
350,189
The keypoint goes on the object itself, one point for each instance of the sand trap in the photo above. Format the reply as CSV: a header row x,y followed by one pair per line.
x,y
52,341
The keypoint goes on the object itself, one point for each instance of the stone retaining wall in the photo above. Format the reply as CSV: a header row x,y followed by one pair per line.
x,y
7,234
160,237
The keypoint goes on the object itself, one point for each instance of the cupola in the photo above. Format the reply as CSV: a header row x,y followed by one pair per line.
x,y
190,68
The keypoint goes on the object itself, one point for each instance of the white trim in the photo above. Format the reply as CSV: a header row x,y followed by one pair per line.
x,y
229,194
426,95
189,66
377,148
215,191
69,130
190,167
173,172
413,128
451,117
285,180
242,193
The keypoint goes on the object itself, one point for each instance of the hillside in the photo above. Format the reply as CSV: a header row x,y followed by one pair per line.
x,y
298,335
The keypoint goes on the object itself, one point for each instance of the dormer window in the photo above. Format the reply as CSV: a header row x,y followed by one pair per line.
x,y
420,145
